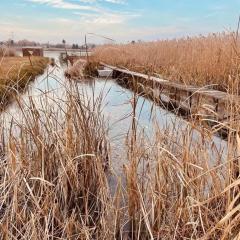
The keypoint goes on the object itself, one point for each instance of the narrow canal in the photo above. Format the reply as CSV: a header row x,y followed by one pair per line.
x,y
117,108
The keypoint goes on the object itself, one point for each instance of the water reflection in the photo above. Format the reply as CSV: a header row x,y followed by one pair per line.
x,y
117,109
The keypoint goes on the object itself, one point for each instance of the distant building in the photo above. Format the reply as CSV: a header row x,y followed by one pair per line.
x,y
32,51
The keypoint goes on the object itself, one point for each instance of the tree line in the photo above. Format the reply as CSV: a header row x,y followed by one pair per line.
x,y
25,43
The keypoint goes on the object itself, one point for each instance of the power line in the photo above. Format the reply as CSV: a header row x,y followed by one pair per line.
x,y
97,35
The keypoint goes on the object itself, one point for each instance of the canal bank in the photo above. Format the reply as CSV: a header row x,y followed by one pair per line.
x,y
15,75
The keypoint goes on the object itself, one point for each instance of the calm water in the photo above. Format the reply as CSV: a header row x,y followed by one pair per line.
x,y
117,110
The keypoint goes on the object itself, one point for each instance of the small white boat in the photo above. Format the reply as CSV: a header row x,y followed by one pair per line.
x,y
106,72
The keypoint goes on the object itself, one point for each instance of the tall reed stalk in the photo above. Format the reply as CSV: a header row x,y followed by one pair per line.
x,y
201,60
52,179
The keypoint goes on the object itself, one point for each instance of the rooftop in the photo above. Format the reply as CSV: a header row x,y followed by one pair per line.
x,y
32,47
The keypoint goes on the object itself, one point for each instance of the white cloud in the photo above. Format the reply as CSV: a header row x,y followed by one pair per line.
x,y
65,5
109,1
106,18
112,25
85,18
115,1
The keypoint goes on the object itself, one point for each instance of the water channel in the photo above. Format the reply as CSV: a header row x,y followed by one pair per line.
x,y
117,110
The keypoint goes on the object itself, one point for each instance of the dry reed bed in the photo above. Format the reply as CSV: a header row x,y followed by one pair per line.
x,y
179,186
76,71
16,73
181,194
7,52
81,68
53,179
200,61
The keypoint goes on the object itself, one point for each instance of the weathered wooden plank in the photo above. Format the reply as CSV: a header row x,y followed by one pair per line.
x,y
207,105
203,91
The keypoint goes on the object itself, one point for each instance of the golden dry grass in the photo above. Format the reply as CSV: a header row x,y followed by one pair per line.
x,y
10,66
76,70
52,181
180,194
197,61
53,177
16,73
7,52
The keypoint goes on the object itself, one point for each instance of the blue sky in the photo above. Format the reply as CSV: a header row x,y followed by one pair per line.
x,y
122,20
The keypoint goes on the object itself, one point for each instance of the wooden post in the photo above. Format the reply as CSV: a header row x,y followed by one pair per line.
x,y
86,48
29,57
64,43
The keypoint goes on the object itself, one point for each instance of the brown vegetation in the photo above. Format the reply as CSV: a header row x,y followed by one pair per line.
x,y
81,68
197,61
16,73
76,71
54,166
53,180
52,177
181,194
7,52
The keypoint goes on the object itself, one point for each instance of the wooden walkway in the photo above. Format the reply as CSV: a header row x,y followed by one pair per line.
x,y
203,102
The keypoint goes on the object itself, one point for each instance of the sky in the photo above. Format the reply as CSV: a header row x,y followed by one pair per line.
x,y
121,20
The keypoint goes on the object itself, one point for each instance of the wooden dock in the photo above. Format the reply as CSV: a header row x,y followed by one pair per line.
x,y
205,103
